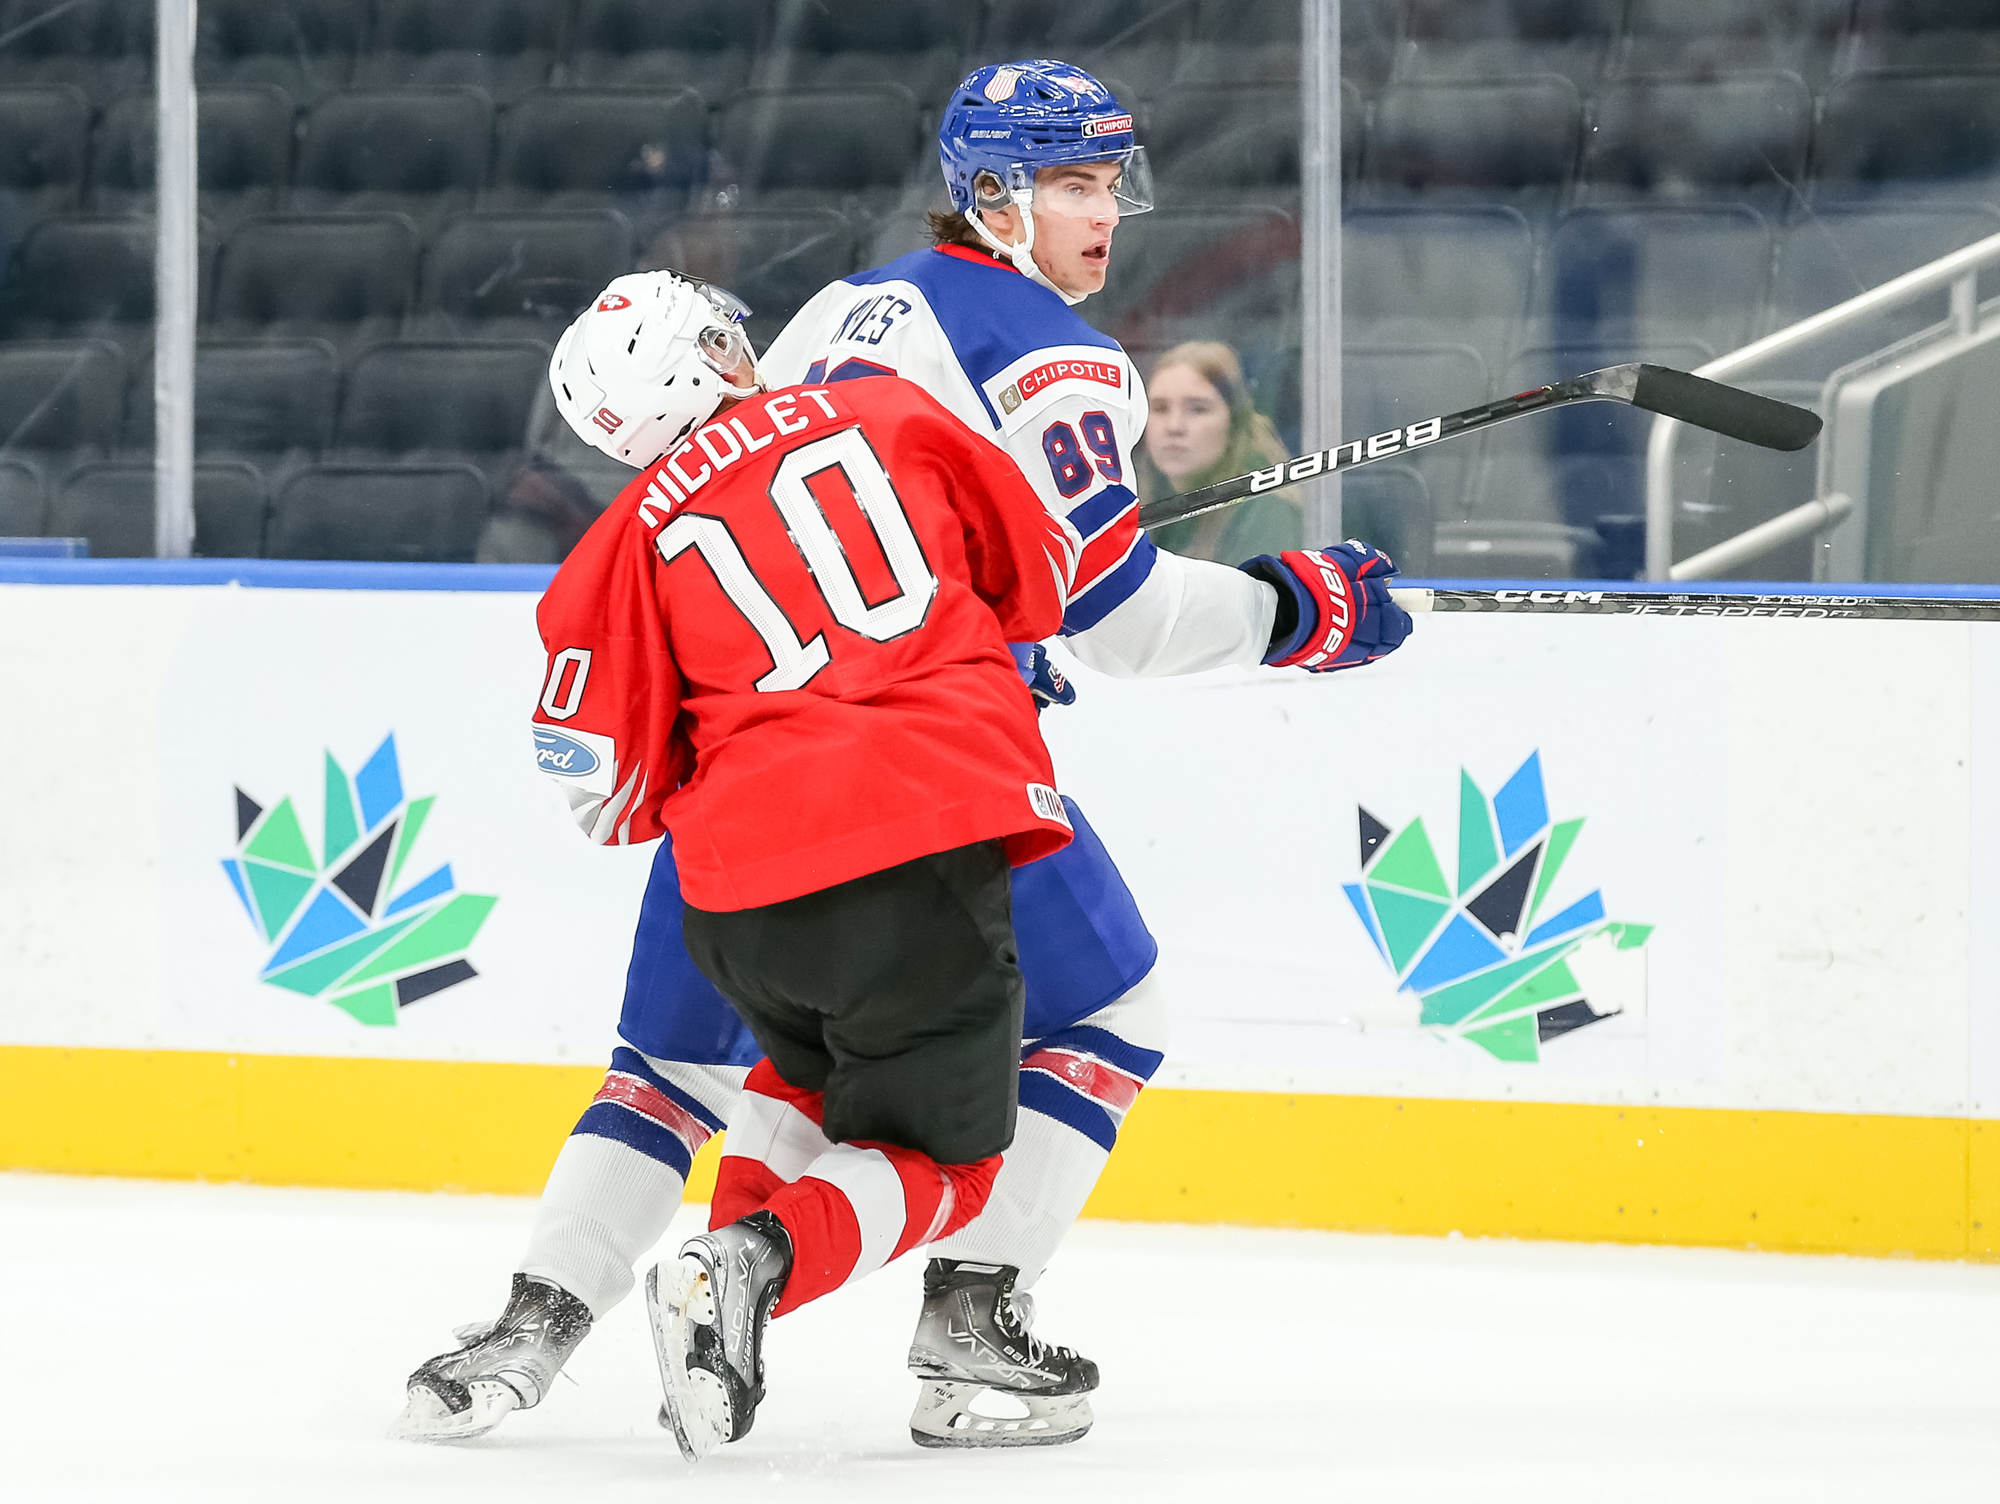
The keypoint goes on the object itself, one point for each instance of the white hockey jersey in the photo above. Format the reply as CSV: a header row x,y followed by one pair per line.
x,y
1018,366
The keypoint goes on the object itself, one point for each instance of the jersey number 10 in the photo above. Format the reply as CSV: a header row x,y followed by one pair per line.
x,y
795,662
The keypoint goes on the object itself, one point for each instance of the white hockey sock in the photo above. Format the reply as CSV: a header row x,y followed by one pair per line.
x,y
1044,1179
1076,1086
603,1209
620,1176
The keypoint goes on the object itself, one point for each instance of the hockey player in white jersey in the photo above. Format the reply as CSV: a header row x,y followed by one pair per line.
x,y
1041,163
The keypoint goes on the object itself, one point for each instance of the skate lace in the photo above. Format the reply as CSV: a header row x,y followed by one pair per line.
x,y
1017,1317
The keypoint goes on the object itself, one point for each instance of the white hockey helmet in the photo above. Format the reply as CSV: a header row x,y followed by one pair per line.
x,y
648,362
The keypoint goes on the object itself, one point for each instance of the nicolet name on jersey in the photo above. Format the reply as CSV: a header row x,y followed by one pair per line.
x,y
721,442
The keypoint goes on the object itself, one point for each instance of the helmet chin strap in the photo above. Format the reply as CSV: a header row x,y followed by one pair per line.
x,y
1021,255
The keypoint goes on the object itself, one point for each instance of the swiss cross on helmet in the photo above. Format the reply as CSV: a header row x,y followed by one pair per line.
x,y
1009,120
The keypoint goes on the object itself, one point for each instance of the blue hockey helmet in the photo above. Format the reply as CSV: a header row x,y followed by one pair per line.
x,y
1012,119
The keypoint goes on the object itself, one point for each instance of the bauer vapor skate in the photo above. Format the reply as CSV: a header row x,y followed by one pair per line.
x,y
709,1308
501,1366
987,1380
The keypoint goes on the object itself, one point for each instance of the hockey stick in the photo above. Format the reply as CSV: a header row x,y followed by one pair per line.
x,y
1658,389
1680,603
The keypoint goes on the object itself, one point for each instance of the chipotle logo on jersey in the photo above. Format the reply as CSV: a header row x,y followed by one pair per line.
x,y
1103,372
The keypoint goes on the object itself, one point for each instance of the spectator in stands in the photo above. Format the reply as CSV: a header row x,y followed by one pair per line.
x,y
1202,430
540,516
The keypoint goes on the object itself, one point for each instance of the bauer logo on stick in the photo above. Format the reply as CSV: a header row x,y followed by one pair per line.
x,y
1375,447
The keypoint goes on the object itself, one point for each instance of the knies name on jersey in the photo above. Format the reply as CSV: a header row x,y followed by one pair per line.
x,y
725,441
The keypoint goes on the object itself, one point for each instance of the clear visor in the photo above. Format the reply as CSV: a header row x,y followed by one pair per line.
x,y
1093,190
722,348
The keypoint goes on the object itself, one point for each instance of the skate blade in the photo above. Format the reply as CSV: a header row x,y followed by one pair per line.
x,y
974,1415
426,1417
696,1407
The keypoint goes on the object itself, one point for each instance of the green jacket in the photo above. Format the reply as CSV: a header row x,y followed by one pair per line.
x,y
1261,525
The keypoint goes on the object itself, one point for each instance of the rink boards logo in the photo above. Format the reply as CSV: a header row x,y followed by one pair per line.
x,y
1480,957
339,928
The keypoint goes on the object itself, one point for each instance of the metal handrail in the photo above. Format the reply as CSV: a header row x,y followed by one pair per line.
x,y
1959,271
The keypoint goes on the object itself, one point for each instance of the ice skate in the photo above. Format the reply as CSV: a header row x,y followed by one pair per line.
x,y
502,1366
987,1379
709,1308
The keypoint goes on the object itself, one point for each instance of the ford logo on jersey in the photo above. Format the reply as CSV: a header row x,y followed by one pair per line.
x,y
562,755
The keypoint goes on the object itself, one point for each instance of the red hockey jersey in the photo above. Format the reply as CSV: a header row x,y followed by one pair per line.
x,y
786,642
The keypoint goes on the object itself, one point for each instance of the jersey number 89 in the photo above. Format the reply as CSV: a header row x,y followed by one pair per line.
x,y
1067,461
793,662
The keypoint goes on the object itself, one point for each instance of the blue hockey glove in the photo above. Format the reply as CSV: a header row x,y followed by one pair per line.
x,y
1334,609
1038,671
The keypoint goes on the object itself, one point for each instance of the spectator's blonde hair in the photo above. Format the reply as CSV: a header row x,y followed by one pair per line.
x,y
1253,438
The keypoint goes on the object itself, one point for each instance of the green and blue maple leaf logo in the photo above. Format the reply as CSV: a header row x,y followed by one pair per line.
x,y
1479,956
339,928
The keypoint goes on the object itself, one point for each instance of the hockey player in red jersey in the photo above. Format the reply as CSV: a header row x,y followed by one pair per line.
x,y
786,643
1041,163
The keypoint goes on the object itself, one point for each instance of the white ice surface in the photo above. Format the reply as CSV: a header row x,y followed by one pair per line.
x,y
176,1342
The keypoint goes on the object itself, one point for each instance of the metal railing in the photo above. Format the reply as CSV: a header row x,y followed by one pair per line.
x,y
1958,271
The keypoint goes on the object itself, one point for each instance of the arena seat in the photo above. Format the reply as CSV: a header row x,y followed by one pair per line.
x,y
1390,507
1436,276
419,152
85,276
918,44
243,141
1829,255
269,403
1652,273
1225,144
1511,142
1922,34
44,134
772,260
112,505
1253,42
1715,38
1384,387
429,400
22,502
512,276
638,151
1740,139
1493,39
819,148
1922,135
60,401
1138,42
407,513
347,278
304,47
704,45
1061,28
502,47
103,47
1187,273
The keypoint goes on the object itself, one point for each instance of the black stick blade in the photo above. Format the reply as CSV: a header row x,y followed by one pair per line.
x,y
1724,409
